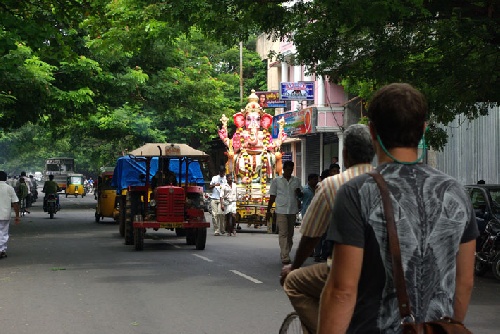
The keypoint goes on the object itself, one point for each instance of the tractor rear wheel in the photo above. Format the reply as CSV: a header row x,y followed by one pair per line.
x,y
139,238
131,209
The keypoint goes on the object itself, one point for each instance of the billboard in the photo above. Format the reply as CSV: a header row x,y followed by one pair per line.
x,y
297,91
297,123
270,99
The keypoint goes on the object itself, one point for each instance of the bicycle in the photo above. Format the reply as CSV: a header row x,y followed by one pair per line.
x,y
292,324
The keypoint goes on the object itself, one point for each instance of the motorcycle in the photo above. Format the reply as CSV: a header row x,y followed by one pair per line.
x,y
488,250
51,206
34,195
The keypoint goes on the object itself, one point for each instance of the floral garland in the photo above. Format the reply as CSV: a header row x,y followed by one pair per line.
x,y
247,177
263,172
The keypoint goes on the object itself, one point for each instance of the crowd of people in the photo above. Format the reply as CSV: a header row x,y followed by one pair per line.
x,y
351,288
19,193
354,290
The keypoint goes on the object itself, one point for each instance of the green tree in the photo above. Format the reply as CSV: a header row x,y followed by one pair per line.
x,y
95,79
448,49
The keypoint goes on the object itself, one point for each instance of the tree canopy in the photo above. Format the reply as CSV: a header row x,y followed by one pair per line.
x,y
95,78
448,49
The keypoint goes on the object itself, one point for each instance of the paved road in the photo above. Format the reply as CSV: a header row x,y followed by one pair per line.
x,y
72,275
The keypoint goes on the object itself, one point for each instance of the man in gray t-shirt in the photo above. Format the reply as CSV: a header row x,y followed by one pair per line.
x,y
428,222
435,222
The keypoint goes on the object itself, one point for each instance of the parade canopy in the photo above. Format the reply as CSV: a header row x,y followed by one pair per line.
x,y
168,149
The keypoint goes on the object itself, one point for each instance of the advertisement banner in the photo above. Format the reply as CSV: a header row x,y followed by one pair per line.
x,y
297,91
297,123
270,99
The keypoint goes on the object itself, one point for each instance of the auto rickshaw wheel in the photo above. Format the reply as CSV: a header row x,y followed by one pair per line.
x,y
66,195
139,238
97,217
201,238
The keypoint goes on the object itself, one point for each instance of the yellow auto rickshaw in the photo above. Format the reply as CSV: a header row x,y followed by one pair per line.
x,y
107,204
74,185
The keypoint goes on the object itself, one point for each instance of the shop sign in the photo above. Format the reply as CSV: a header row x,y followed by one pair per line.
x,y
286,156
297,91
297,123
270,99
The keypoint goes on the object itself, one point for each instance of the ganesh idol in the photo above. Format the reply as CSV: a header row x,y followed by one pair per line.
x,y
253,155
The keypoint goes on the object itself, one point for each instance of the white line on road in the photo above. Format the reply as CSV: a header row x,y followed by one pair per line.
x,y
203,258
245,276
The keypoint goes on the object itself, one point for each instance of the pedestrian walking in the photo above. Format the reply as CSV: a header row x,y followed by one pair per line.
x,y
217,206
435,223
229,191
286,192
8,200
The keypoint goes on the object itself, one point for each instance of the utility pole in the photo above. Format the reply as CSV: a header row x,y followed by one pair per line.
x,y
241,72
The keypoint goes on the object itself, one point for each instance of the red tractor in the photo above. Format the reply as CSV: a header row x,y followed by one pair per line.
x,y
172,199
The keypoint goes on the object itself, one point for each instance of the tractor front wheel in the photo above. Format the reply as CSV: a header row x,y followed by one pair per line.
x,y
190,236
201,238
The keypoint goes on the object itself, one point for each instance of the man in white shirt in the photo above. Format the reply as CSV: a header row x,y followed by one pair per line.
x,y
285,191
217,206
8,200
230,194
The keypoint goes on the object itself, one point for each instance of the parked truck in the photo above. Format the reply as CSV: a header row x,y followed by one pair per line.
x,y
161,187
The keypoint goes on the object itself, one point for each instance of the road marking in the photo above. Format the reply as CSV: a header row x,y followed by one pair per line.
x,y
245,276
203,258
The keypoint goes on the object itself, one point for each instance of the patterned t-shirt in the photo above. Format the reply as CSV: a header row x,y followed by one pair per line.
x,y
433,215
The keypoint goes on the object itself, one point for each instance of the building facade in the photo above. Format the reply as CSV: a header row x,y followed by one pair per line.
x,y
314,128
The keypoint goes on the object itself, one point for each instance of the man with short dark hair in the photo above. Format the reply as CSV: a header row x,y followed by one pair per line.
x,y
435,222
334,169
285,191
8,200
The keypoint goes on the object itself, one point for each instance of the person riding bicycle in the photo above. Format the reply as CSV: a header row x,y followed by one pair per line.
x,y
303,286
22,194
34,188
50,187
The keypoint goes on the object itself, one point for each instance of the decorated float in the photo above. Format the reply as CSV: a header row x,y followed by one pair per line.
x,y
254,159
